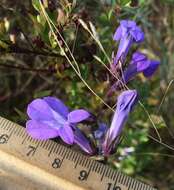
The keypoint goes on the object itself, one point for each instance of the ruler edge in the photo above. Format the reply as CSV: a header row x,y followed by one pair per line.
x,y
133,182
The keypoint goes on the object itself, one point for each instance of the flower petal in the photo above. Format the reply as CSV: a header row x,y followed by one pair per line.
x,y
38,110
137,34
78,116
138,64
118,34
127,23
57,105
153,66
40,131
123,48
138,56
126,100
66,134
82,141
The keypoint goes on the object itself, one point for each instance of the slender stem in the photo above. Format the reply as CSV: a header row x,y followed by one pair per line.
x,y
77,71
25,68
18,50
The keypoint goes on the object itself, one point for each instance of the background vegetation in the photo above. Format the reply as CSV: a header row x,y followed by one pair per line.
x,y
32,65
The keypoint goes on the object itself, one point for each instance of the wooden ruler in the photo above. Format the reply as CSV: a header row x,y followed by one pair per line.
x,y
46,165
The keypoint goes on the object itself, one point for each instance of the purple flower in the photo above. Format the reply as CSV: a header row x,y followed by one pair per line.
x,y
127,33
126,101
140,63
51,118
101,131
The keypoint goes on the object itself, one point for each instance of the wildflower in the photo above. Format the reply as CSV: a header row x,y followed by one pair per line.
x,y
127,33
51,118
140,63
126,101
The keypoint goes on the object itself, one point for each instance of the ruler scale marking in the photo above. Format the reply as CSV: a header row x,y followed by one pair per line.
x,y
109,173
72,156
76,160
88,164
44,144
61,151
138,186
49,146
127,181
54,150
106,173
52,145
5,125
132,185
68,154
103,173
19,132
23,134
96,167
135,185
101,169
122,179
84,162
116,179
57,150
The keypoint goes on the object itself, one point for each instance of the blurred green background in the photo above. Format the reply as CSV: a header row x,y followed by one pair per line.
x,y
32,65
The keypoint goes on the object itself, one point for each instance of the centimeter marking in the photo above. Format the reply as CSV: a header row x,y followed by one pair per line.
x,y
62,162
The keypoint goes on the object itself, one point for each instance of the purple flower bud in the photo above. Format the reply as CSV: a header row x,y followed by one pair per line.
x,y
51,118
127,33
126,101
